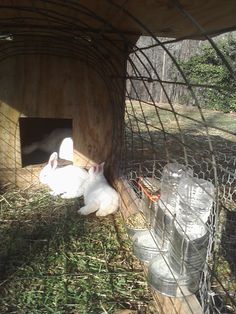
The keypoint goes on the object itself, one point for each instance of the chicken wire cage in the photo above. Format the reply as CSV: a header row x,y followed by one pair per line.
x,y
157,133
165,117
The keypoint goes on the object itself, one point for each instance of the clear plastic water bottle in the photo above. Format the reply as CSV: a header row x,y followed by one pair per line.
x,y
194,202
171,176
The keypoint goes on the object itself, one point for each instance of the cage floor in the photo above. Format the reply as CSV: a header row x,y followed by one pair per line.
x,y
54,261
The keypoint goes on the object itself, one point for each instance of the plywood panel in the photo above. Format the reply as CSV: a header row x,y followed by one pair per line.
x,y
22,177
9,137
160,17
51,87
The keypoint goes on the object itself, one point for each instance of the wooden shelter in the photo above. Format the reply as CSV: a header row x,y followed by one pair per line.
x,y
68,60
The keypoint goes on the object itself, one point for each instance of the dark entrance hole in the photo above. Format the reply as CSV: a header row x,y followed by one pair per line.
x,y
34,131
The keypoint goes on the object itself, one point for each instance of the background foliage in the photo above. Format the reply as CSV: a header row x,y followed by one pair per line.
x,y
200,64
207,68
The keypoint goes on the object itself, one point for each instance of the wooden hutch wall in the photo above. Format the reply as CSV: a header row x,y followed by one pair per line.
x,y
54,87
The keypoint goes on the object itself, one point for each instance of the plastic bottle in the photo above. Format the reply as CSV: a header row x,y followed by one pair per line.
x,y
171,176
194,202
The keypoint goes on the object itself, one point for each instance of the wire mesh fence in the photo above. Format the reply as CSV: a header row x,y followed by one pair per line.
x,y
161,133
168,118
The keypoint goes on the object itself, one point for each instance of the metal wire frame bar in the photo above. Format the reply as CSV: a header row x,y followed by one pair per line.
x,y
211,147
106,29
62,19
186,14
96,48
201,154
103,66
140,172
180,226
165,92
182,83
57,53
152,80
70,44
179,39
74,28
192,92
194,97
184,116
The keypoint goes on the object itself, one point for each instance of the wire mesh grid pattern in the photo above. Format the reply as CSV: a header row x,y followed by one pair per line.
x,y
216,294
159,127
167,133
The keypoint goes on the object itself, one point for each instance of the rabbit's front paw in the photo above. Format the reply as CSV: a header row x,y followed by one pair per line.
x,y
67,195
88,209
54,193
83,210
102,213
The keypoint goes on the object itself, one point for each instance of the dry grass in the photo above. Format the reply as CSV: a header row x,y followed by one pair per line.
x,y
54,261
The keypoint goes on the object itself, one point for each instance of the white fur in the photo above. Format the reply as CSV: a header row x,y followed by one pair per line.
x,y
53,142
99,195
66,149
68,181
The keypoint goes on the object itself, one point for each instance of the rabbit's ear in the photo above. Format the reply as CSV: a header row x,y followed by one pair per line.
x,y
53,160
100,168
92,170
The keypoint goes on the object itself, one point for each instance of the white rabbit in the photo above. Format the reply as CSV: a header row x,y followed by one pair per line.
x,y
68,181
54,141
99,195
